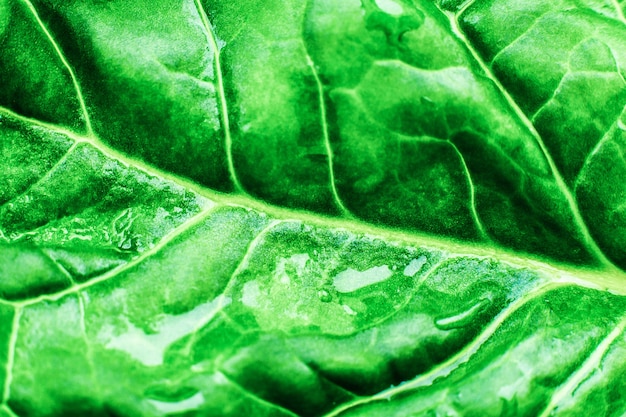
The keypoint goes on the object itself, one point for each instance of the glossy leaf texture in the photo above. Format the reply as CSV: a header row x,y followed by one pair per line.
x,y
439,117
137,297
321,208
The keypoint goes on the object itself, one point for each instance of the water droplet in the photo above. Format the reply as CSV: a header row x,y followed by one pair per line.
x,y
251,294
351,280
188,404
466,317
149,347
74,236
127,244
621,122
324,296
414,266
390,7
348,310
293,267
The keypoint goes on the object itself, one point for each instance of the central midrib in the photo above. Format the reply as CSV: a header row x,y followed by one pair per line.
x,y
606,278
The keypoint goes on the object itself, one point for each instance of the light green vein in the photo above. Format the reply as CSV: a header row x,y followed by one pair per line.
x,y
243,264
254,244
50,172
329,151
88,348
416,288
11,355
66,64
212,38
592,363
8,410
464,6
619,11
195,220
479,224
567,76
602,142
60,268
255,398
519,38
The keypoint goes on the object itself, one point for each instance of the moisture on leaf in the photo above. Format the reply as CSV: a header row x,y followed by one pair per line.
x,y
312,208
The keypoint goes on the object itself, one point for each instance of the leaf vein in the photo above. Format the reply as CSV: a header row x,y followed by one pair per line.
x,y
585,370
585,235
47,175
15,325
212,38
173,234
66,64
618,11
329,151
254,396
470,183
454,362
606,279
607,137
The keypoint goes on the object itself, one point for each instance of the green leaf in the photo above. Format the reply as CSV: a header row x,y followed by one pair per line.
x,y
570,83
192,90
322,208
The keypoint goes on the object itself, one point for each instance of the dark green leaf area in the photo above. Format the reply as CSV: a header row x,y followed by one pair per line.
x,y
399,128
276,101
373,110
35,82
565,68
430,143
283,308
551,338
148,79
